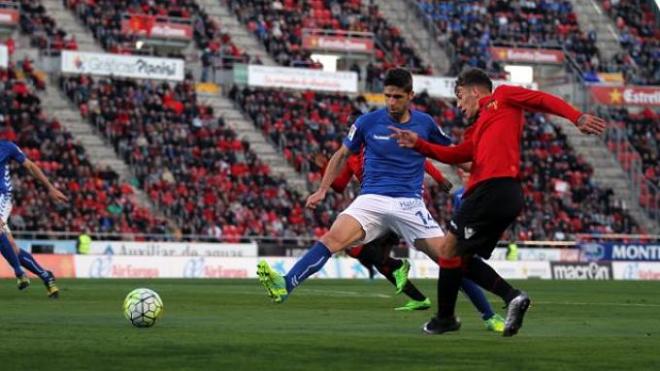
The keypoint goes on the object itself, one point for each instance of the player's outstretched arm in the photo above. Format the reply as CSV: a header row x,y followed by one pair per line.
x,y
449,155
36,172
335,165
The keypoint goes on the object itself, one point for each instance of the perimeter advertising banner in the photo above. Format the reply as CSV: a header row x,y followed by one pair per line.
x,y
338,43
119,65
113,266
536,56
302,79
173,249
644,96
62,266
607,251
155,27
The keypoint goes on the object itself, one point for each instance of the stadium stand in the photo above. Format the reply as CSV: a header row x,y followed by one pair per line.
x,y
561,197
639,36
279,25
104,18
98,200
42,29
191,164
470,27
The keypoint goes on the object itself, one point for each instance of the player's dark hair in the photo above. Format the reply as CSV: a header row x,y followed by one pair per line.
x,y
399,77
474,77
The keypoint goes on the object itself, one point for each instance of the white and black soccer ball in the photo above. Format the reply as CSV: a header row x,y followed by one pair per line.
x,y
142,307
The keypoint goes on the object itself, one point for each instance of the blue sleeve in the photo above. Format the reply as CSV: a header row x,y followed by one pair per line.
x,y
438,136
16,153
355,138
456,198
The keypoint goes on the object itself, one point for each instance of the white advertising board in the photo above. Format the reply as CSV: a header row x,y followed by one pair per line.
x,y
139,67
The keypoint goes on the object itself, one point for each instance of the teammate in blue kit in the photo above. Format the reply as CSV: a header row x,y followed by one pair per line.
x,y
15,256
391,191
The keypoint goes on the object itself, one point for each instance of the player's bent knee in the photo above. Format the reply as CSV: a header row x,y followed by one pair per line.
x,y
344,232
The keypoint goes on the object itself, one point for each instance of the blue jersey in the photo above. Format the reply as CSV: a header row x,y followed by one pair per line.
x,y
390,170
8,151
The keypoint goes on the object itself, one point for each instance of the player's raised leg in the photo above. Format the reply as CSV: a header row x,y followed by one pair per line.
x,y
30,263
9,254
344,231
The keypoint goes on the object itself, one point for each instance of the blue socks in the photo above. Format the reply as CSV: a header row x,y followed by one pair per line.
x,y
8,252
309,264
477,298
28,261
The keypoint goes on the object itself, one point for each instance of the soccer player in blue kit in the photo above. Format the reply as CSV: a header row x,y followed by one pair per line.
x,y
391,190
17,257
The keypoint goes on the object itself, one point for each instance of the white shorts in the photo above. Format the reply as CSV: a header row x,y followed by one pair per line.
x,y
407,217
5,209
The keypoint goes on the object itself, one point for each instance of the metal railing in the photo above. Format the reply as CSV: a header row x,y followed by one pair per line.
x,y
644,191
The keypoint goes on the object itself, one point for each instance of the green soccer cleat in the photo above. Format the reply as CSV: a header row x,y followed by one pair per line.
x,y
495,323
425,304
401,275
23,282
272,281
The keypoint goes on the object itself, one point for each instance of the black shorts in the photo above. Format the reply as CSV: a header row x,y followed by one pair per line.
x,y
378,250
485,214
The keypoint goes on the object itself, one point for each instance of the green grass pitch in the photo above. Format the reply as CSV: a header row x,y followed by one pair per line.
x,y
325,325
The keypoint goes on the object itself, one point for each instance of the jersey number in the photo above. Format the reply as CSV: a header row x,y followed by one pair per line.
x,y
428,219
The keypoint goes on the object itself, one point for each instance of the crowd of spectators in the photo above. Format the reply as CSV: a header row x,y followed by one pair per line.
x,y
98,201
639,36
191,164
561,198
42,28
469,28
642,132
104,18
301,124
279,25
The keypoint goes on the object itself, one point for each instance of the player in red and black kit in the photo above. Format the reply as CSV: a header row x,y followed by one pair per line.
x,y
376,254
493,197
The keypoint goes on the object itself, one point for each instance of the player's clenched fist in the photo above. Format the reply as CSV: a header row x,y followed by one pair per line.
x,y
405,138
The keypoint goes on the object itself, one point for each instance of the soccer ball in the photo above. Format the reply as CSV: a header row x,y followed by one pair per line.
x,y
142,307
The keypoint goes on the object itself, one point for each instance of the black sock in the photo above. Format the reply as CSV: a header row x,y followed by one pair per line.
x,y
485,276
409,289
412,292
449,280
